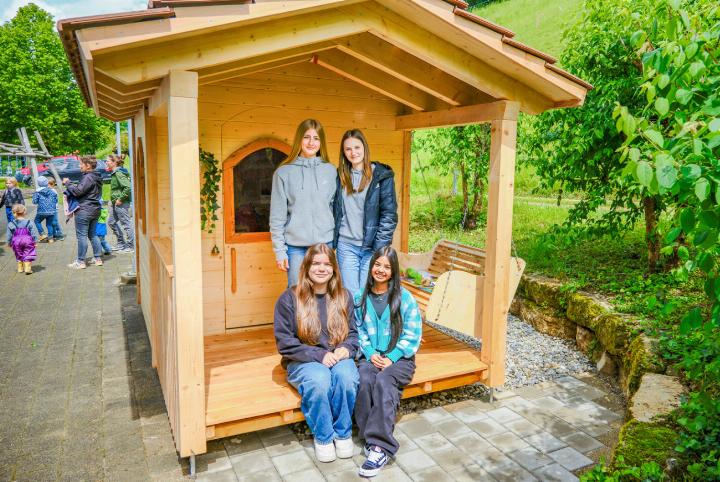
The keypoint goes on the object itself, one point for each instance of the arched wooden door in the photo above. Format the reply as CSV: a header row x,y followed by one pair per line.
x,y
252,280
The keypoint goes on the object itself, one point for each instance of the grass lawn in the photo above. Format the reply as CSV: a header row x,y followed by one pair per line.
x,y
536,23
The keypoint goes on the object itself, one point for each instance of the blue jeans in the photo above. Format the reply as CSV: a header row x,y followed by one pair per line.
x,y
354,264
107,249
56,227
328,397
84,225
48,218
8,213
295,258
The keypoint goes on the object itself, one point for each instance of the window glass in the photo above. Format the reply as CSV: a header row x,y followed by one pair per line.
x,y
252,185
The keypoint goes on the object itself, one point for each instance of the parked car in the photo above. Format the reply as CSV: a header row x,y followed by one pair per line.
x,y
67,166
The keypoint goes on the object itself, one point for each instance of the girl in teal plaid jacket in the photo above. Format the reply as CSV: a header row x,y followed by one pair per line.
x,y
389,330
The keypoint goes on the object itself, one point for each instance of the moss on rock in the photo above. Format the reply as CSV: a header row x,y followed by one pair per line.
x,y
614,332
642,442
544,291
641,357
584,310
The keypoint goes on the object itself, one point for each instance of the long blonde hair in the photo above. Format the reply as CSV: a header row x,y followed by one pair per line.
x,y
305,126
345,165
308,318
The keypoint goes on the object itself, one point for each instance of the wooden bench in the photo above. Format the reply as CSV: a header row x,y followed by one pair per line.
x,y
458,271
246,388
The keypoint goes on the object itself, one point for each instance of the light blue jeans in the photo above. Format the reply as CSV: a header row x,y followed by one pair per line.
x,y
295,258
354,264
328,397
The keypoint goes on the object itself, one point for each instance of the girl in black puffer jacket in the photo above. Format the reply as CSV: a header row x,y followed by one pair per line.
x,y
365,209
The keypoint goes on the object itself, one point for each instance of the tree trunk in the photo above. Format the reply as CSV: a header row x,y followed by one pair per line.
x,y
651,236
466,197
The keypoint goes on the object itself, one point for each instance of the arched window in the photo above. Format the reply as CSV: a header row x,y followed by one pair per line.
x,y
247,185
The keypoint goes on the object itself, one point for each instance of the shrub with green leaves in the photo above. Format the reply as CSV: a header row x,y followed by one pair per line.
x,y
671,151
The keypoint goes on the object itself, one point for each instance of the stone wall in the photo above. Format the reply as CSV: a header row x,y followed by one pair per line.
x,y
612,340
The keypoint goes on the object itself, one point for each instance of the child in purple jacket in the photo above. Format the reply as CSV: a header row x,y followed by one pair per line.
x,y
21,238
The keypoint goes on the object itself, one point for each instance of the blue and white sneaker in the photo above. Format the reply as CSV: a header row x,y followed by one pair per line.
x,y
375,462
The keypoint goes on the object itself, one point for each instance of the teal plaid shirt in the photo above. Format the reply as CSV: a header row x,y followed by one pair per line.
x,y
374,332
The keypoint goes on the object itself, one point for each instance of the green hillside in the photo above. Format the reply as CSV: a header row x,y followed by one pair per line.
x,y
538,23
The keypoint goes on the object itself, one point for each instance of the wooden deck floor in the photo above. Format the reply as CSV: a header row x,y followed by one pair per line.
x,y
246,390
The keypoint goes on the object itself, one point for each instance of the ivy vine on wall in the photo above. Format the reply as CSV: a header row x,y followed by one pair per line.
x,y
212,175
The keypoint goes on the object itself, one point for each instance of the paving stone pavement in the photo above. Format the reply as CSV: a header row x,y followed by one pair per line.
x,y
81,402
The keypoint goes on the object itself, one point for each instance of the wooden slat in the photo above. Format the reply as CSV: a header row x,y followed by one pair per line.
x,y
246,388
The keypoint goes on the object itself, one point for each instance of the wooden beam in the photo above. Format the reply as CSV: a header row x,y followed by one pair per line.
x,y
377,80
405,194
473,70
125,89
221,47
471,114
183,148
158,102
492,295
384,56
261,63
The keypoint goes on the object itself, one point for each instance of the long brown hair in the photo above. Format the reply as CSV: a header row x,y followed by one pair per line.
x,y
308,318
305,126
345,165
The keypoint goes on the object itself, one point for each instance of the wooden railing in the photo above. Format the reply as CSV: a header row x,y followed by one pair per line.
x,y
163,333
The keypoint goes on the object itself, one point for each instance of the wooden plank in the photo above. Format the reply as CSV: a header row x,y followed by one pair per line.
x,y
493,294
378,80
187,259
458,116
405,192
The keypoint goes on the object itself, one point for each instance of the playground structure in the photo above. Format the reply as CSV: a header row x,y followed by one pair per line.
x,y
24,154
236,78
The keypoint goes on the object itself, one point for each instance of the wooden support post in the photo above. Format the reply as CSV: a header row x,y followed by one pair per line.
x,y
183,148
405,194
492,294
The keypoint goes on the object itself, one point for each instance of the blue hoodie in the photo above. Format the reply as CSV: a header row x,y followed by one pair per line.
x,y
45,198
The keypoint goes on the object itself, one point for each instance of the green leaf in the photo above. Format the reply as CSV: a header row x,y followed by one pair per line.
x,y
687,220
637,39
709,219
696,68
655,137
691,322
683,96
701,237
691,50
663,81
714,125
706,261
634,154
665,171
672,235
662,105
710,240
650,93
674,4
691,171
683,253
644,173
702,189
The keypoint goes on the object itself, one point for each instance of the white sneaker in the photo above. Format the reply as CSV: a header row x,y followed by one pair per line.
x,y
324,452
344,448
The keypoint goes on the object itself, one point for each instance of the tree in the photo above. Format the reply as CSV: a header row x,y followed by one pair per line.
x,y
672,148
38,89
465,150
576,149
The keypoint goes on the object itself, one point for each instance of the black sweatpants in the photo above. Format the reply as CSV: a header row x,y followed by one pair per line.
x,y
378,399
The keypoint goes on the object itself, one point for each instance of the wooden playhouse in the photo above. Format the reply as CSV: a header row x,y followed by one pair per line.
x,y
235,78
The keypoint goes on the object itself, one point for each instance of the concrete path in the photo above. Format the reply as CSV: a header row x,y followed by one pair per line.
x,y
80,402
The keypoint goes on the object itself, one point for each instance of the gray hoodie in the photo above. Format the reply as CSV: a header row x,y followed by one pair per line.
x,y
301,206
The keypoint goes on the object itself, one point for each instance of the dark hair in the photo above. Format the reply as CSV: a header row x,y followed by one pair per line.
x,y
395,298
89,160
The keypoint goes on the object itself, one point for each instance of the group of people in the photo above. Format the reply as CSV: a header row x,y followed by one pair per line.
x,y
83,201
346,329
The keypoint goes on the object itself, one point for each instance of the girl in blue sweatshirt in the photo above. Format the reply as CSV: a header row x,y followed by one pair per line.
x,y
389,330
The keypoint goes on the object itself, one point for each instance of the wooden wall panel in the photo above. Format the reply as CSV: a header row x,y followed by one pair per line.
x,y
271,104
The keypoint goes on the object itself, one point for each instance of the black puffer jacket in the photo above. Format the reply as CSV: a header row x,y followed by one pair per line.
x,y
88,193
381,216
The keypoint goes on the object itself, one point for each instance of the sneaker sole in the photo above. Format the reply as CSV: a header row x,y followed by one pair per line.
x,y
368,473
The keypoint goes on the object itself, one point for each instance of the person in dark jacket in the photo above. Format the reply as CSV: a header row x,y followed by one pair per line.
x,y
10,197
315,334
365,209
88,193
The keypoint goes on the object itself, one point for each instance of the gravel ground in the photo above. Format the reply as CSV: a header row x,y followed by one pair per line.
x,y
531,358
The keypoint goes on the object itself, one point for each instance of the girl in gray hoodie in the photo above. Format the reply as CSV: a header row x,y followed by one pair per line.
x,y
301,205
